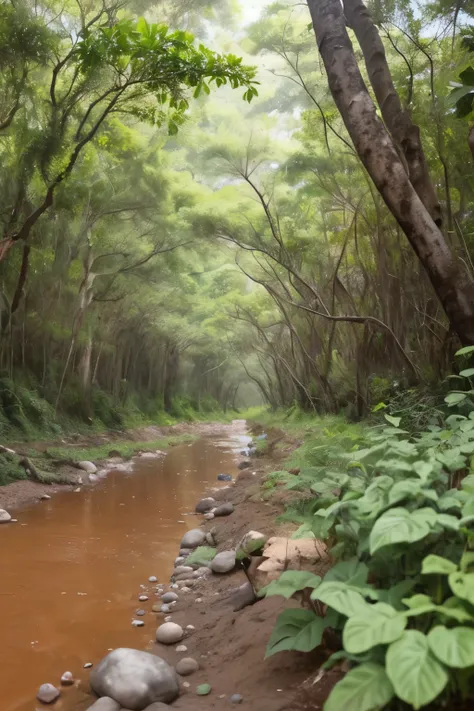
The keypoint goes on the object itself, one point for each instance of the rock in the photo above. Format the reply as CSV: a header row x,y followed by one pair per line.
x,y
244,465
193,538
236,699
148,455
182,569
135,679
88,467
224,510
165,609
152,579
210,540
174,586
187,666
184,552
179,560
208,516
181,648
186,589
224,477
198,599
242,597
252,542
105,704
4,516
47,693
223,562
282,554
88,665
156,607
168,619
190,628
169,633
45,497
202,572
142,598
169,597
93,478
205,505
67,679
138,623
140,613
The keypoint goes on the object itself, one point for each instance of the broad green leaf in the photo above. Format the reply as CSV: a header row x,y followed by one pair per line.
x,y
378,624
453,608
299,630
365,688
454,398
406,489
454,647
467,561
416,675
468,508
466,349
435,564
352,572
340,597
395,421
447,502
289,582
451,523
395,595
468,373
400,526
462,585
417,601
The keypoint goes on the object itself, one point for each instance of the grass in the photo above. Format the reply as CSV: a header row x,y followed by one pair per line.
x,y
125,449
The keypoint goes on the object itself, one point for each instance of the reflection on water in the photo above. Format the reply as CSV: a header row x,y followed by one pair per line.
x,y
71,569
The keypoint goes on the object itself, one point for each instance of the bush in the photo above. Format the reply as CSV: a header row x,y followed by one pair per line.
x,y
10,470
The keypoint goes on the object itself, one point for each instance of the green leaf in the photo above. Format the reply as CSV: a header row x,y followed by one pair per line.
x,y
379,406
289,582
454,398
203,689
417,601
378,624
416,675
395,421
468,373
467,77
172,128
454,647
340,597
462,585
454,609
451,523
466,349
299,630
400,526
447,502
436,565
365,688
352,572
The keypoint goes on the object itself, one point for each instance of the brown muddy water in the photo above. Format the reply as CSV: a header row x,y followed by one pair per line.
x,y
72,568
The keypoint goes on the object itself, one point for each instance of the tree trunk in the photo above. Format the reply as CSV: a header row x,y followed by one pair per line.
x,y
453,286
404,132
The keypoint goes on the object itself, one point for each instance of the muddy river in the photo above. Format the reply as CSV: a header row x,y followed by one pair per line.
x,y
72,568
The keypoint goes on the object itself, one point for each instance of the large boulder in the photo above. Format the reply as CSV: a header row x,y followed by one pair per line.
x,y
205,505
282,554
4,516
193,538
223,562
135,679
88,467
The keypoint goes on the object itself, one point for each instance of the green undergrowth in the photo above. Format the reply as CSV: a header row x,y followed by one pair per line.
x,y
395,507
10,470
124,449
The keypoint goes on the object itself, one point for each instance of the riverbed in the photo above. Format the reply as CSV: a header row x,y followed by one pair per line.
x,y
73,567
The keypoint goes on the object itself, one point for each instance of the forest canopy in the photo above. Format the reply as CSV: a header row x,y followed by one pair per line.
x,y
205,206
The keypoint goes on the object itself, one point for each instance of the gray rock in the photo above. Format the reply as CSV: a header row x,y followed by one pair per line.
x,y
223,562
152,579
180,559
182,569
4,516
105,704
187,666
224,510
138,623
209,516
184,552
47,693
169,597
140,613
193,538
88,467
142,598
165,609
45,497
169,633
181,648
93,478
210,540
205,505
88,665
242,597
244,465
67,679
236,699
201,572
135,679
224,477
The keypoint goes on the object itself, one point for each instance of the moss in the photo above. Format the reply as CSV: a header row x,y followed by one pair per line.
x,y
10,470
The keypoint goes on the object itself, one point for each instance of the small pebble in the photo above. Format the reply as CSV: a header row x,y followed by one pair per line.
x,y
190,627
47,693
67,679
88,665
165,609
45,497
168,618
236,699
152,579
186,684
181,648
140,613
138,623
198,599
185,589
142,598
175,586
